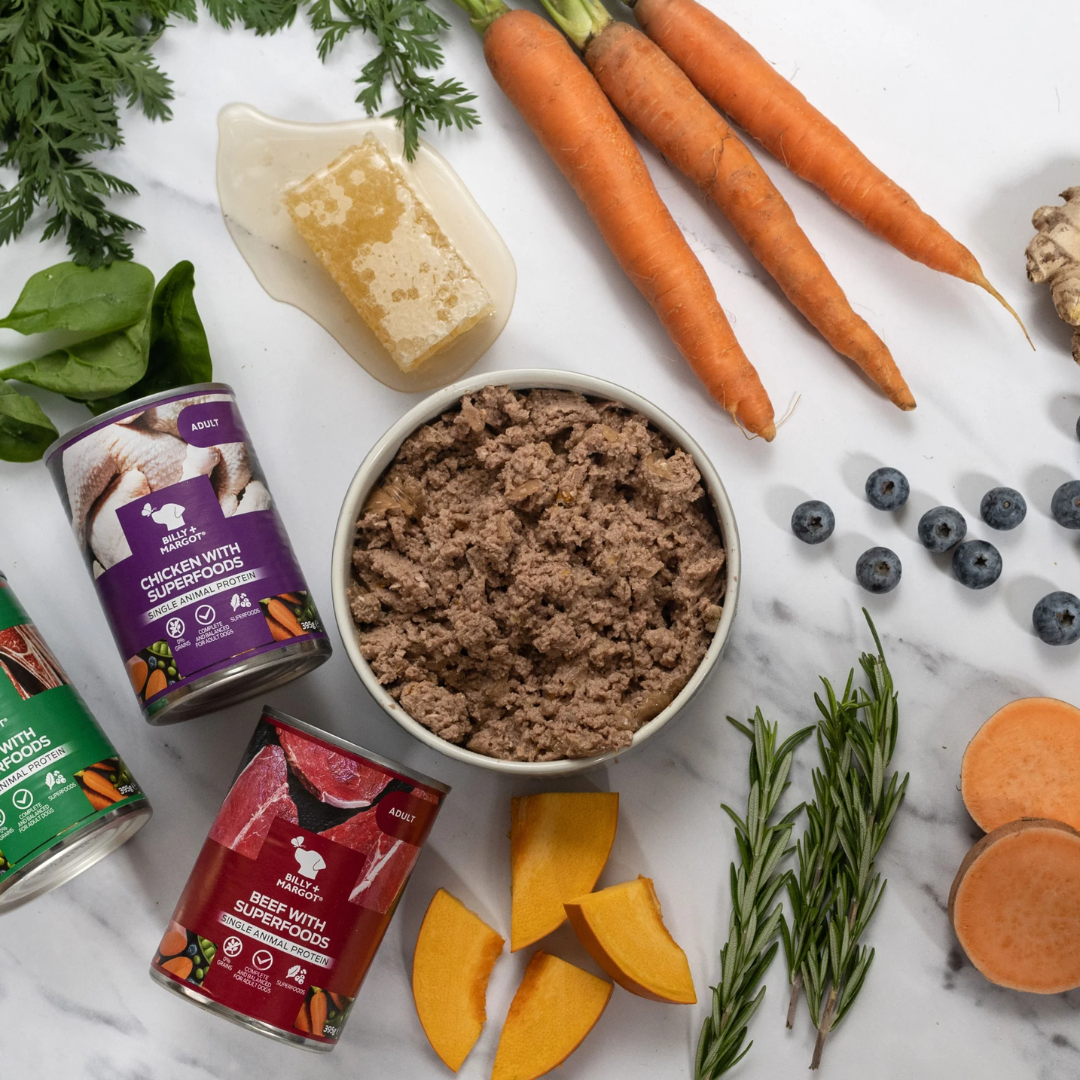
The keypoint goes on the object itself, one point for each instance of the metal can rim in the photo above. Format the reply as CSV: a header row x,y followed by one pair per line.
x,y
354,748
112,415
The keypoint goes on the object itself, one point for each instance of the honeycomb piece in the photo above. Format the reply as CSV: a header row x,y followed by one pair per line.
x,y
387,253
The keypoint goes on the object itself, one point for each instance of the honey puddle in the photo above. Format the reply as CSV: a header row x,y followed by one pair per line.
x,y
259,157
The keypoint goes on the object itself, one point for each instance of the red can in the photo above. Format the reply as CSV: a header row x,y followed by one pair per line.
x,y
296,883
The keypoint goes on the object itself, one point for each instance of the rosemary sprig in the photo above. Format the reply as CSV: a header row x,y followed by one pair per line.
x,y
835,891
755,883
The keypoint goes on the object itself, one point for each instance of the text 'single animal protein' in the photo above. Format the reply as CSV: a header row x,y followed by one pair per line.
x,y
192,563
296,883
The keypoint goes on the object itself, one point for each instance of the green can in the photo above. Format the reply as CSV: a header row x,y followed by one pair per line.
x,y
66,798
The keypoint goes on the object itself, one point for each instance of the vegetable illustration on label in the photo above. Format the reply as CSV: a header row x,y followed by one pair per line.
x,y
298,887
61,781
192,564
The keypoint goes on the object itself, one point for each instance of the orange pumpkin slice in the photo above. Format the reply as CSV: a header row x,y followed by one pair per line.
x,y
555,1007
455,952
559,843
623,929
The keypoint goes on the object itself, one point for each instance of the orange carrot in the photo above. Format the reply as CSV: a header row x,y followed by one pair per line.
x,y
318,1008
97,783
157,682
180,966
277,631
98,802
173,943
566,110
735,77
303,1019
654,94
138,671
279,611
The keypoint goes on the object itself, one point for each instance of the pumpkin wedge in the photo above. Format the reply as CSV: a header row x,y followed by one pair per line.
x,y
623,929
1015,906
559,843
455,952
1024,762
555,1007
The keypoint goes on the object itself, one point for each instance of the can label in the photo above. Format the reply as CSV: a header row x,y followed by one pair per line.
x,y
297,882
192,563
58,771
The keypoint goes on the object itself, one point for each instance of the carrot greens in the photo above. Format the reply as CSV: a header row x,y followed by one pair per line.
x,y
68,66
406,32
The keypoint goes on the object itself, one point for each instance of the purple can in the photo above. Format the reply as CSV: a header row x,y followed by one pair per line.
x,y
192,564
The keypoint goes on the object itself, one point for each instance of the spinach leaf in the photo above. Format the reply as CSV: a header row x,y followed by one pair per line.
x,y
70,297
25,431
91,369
179,352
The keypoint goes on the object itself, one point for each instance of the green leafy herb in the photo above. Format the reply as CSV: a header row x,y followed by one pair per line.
x,y
406,32
179,354
71,297
65,65
835,892
163,345
755,883
25,430
91,369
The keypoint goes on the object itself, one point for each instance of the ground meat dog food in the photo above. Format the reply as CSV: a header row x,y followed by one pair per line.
x,y
537,574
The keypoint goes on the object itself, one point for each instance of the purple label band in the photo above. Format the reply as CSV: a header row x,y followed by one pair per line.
x,y
195,579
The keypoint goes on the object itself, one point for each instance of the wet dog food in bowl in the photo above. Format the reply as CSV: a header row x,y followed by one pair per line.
x,y
535,575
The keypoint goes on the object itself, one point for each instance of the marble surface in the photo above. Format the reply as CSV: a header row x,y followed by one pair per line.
x,y
972,106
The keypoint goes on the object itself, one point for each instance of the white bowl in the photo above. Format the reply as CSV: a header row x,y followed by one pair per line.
x,y
383,453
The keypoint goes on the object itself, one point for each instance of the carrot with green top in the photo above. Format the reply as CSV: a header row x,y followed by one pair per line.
x,y
736,78
568,112
655,95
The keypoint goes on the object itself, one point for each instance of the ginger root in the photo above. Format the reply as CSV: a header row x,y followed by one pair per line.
x,y
1054,256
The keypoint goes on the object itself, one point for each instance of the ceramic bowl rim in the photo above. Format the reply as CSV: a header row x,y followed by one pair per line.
x,y
380,457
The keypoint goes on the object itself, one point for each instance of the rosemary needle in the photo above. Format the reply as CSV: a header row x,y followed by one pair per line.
x,y
755,883
835,891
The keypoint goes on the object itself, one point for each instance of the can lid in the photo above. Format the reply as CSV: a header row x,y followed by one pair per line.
x,y
135,406
352,748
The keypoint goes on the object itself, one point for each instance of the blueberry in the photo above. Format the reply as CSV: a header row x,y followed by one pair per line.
x,y
1065,505
813,521
887,489
1057,618
976,564
941,528
1003,508
878,570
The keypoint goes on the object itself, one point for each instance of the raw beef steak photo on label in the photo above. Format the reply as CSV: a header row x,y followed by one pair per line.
x,y
260,794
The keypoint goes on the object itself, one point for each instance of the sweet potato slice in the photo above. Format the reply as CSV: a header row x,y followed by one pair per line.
x,y
555,1007
559,843
455,952
624,931
1015,906
1024,762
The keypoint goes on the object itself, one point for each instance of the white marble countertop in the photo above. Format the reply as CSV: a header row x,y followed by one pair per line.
x,y
972,107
